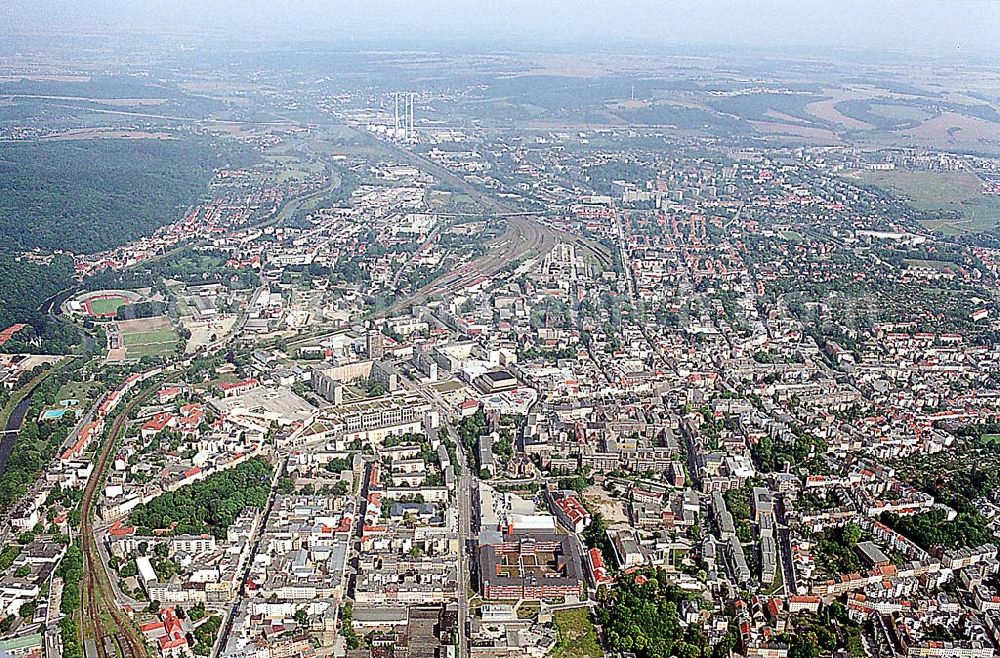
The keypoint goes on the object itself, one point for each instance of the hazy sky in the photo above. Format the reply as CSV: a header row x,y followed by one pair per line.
x,y
932,26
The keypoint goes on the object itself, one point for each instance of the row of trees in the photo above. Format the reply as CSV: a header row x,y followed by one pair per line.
x,y
208,506
71,571
188,265
205,634
140,310
471,428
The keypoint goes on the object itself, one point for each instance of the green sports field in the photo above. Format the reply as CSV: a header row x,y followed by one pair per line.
x,y
154,342
106,306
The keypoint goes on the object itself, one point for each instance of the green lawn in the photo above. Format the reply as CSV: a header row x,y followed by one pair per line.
x,y
152,349
779,580
106,306
577,635
927,190
73,390
148,337
982,214
155,342
448,387
298,171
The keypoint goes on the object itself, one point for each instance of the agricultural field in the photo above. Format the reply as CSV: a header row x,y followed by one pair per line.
x,y
901,113
886,115
933,191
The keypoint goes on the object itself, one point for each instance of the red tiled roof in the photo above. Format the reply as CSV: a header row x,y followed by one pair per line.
x,y
167,642
9,332
158,422
225,386
574,510
119,530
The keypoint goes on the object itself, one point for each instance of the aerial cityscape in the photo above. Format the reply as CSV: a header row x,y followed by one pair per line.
x,y
396,347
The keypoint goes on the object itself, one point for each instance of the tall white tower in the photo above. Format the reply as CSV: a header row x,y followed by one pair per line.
x,y
395,131
412,102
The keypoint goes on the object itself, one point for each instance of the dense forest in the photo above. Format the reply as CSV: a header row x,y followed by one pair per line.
x,y
932,530
52,337
27,284
208,506
87,196
91,195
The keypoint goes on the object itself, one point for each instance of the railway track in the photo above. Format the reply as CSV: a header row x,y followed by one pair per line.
x,y
99,596
525,236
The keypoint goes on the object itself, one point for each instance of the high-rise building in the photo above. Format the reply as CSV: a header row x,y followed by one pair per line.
x,y
374,346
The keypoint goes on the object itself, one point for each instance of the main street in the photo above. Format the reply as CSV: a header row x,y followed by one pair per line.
x,y
463,499
463,493
248,558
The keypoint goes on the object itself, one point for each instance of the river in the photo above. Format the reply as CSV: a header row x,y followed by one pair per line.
x,y
11,430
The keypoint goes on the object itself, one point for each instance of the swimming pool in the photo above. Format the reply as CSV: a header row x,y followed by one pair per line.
x,y
53,414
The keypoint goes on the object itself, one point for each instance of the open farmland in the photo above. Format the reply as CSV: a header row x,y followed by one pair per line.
x,y
957,192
